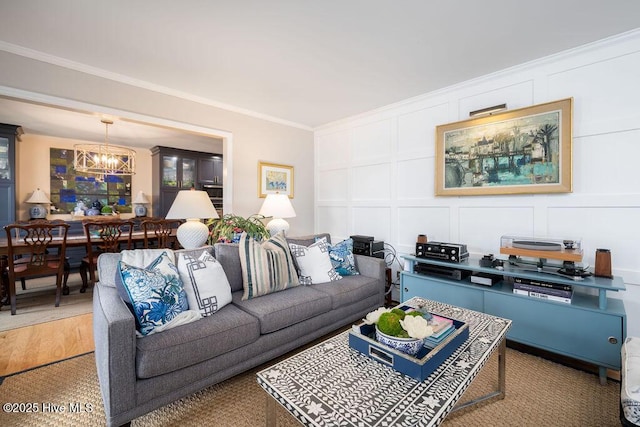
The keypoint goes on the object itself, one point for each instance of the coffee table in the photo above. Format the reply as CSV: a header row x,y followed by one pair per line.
x,y
332,384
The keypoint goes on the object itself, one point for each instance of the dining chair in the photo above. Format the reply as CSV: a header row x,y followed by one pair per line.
x,y
36,249
67,266
160,233
103,236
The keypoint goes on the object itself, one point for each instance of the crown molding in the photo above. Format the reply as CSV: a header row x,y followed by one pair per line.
x,y
120,78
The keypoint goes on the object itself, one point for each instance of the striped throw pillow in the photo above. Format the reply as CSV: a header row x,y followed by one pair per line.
x,y
266,266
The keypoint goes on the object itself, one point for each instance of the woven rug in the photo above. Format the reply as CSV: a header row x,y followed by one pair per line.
x,y
539,393
36,304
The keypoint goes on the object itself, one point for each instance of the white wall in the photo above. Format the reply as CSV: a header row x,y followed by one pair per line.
x,y
375,172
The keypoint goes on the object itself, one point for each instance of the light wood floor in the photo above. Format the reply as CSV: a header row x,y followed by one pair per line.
x,y
37,345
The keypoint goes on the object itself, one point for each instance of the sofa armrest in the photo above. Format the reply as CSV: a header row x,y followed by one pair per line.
x,y
114,334
371,267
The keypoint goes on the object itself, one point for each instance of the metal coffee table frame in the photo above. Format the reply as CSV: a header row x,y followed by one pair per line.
x,y
333,384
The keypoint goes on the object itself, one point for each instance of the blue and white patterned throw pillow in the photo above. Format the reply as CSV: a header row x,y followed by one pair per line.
x,y
155,292
342,259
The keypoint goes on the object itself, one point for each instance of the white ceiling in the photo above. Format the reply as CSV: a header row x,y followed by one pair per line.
x,y
306,62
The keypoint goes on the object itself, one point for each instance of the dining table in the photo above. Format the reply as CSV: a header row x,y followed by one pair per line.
x,y
76,240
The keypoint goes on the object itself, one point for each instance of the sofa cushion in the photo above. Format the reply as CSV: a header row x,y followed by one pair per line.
x,y
342,259
349,290
266,266
228,329
204,282
228,256
155,292
281,309
314,264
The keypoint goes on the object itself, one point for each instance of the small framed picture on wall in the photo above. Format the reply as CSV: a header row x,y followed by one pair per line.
x,y
274,178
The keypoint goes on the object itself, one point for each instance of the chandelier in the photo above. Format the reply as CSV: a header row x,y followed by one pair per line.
x,y
104,159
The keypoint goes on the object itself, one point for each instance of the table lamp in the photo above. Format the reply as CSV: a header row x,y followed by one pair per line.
x,y
140,201
279,207
192,205
38,198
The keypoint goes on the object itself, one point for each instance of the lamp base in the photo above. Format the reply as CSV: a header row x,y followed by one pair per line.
x,y
140,210
38,212
276,225
192,234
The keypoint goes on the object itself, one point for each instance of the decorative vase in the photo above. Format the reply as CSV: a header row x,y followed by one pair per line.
x,y
410,346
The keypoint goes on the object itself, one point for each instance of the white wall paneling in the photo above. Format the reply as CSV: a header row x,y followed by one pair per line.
x,y
371,182
372,221
432,221
607,163
334,150
416,135
416,179
333,185
610,227
482,227
371,142
515,96
391,163
334,220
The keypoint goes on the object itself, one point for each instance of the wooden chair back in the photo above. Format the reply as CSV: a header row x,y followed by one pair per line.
x,y
107,236
160,233
30,248
35,249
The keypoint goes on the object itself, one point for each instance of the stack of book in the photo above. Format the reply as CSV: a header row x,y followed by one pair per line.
x,y
442,328
539,289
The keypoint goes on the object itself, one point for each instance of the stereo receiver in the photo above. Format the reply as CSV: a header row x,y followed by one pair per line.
x,y
365,245
451,252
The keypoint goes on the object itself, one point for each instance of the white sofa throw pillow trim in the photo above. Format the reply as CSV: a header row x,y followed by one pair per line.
x,y
204,282
314,263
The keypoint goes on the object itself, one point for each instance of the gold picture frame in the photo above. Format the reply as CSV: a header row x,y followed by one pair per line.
x,y
523,151
274,178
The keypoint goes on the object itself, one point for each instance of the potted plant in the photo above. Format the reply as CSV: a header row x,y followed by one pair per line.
x,y
403,331
229,228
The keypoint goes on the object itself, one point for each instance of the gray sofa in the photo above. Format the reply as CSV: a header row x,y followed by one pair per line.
x,y
138,375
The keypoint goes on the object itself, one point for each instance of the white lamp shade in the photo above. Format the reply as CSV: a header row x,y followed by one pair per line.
x,y
38,196
141,198
277,206
192,205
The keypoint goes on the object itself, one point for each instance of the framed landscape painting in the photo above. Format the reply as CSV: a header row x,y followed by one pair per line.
x,y
273,178
522,151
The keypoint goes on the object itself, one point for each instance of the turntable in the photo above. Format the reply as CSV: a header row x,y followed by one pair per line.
x,y
569,251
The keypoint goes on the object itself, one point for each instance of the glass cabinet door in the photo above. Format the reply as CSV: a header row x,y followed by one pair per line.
x,y
5,164
170,171
188,173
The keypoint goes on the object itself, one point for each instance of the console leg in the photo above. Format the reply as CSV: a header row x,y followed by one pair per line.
x,y
602,373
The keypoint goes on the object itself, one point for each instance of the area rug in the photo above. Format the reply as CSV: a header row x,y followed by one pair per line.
x,y
36,304
539,393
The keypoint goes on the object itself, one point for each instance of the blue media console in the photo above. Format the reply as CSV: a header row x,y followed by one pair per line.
x,y
592,328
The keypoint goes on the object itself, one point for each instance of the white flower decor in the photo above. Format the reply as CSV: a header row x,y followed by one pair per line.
x,y
372,317
416,326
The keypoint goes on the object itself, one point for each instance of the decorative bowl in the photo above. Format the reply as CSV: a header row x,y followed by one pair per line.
x,y
410,346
